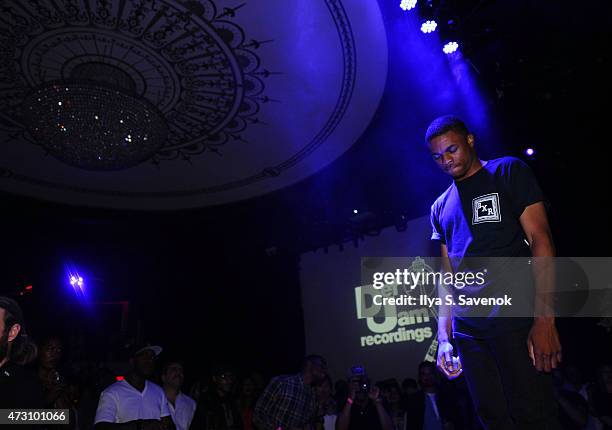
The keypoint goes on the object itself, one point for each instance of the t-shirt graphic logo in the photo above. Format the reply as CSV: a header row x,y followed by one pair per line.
x,y
486,209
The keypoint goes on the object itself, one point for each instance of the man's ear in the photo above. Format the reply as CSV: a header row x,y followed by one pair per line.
x,y
14,332
470,139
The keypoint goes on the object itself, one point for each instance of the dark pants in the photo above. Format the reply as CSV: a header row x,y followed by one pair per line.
x,y
507,390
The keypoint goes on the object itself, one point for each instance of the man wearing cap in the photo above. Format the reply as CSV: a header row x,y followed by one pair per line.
x,y
135,403
18,388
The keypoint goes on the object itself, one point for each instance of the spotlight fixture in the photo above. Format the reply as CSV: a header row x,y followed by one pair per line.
x,y
408,4
76,281
450,47
429,26
530,153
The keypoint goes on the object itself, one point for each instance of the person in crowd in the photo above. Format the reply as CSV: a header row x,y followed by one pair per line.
x,y
328,408
364,409
249,393
392,395
19,389
89,383
341,389
428,408
289,401
409,387
600,397
573,380
52,379
182,407
135,403
573,408
218,406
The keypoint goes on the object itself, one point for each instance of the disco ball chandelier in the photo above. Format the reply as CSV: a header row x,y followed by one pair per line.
x,y
94,120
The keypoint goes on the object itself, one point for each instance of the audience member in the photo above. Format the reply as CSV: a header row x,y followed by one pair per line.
x,y
182,407
409,387
19,389
53,381
135,403
364,409
249,393
341,389
328,408
218,407
289,401
573,408
428,409
392,394
600,397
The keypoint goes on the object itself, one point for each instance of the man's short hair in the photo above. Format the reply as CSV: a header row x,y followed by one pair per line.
x,y
169,363
444,124
23,350
313,358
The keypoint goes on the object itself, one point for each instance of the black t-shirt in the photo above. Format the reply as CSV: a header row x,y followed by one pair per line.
x,y
478,220
19,389
365,418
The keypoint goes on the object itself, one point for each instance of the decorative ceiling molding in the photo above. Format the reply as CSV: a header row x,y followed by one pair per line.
x,y
249,94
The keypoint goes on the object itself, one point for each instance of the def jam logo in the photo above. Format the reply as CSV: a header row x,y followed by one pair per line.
x,y
486,209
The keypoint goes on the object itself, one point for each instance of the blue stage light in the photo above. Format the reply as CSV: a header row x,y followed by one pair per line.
x,y
76,281
529,152
450,47
429,26
408,4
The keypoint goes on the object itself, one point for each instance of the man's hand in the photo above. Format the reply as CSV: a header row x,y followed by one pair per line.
x,y
449,367
374,393
543,344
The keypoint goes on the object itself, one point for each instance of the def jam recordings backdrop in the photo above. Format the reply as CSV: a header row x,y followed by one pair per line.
x,y
392,343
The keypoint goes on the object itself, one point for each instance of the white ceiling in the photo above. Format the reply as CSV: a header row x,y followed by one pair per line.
x,y
256,94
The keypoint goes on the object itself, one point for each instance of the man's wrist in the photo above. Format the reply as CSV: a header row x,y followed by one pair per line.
x,y
544,319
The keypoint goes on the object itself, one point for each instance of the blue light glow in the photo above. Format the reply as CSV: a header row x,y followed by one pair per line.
x,y
450,47
429,26
77,283
408,4
530,152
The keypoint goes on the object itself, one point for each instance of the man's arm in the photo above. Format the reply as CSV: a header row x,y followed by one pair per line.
x,y
543,340
383,416
344,417
445,319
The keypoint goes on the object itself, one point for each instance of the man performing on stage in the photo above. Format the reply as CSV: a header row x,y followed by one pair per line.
x,y
493,209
